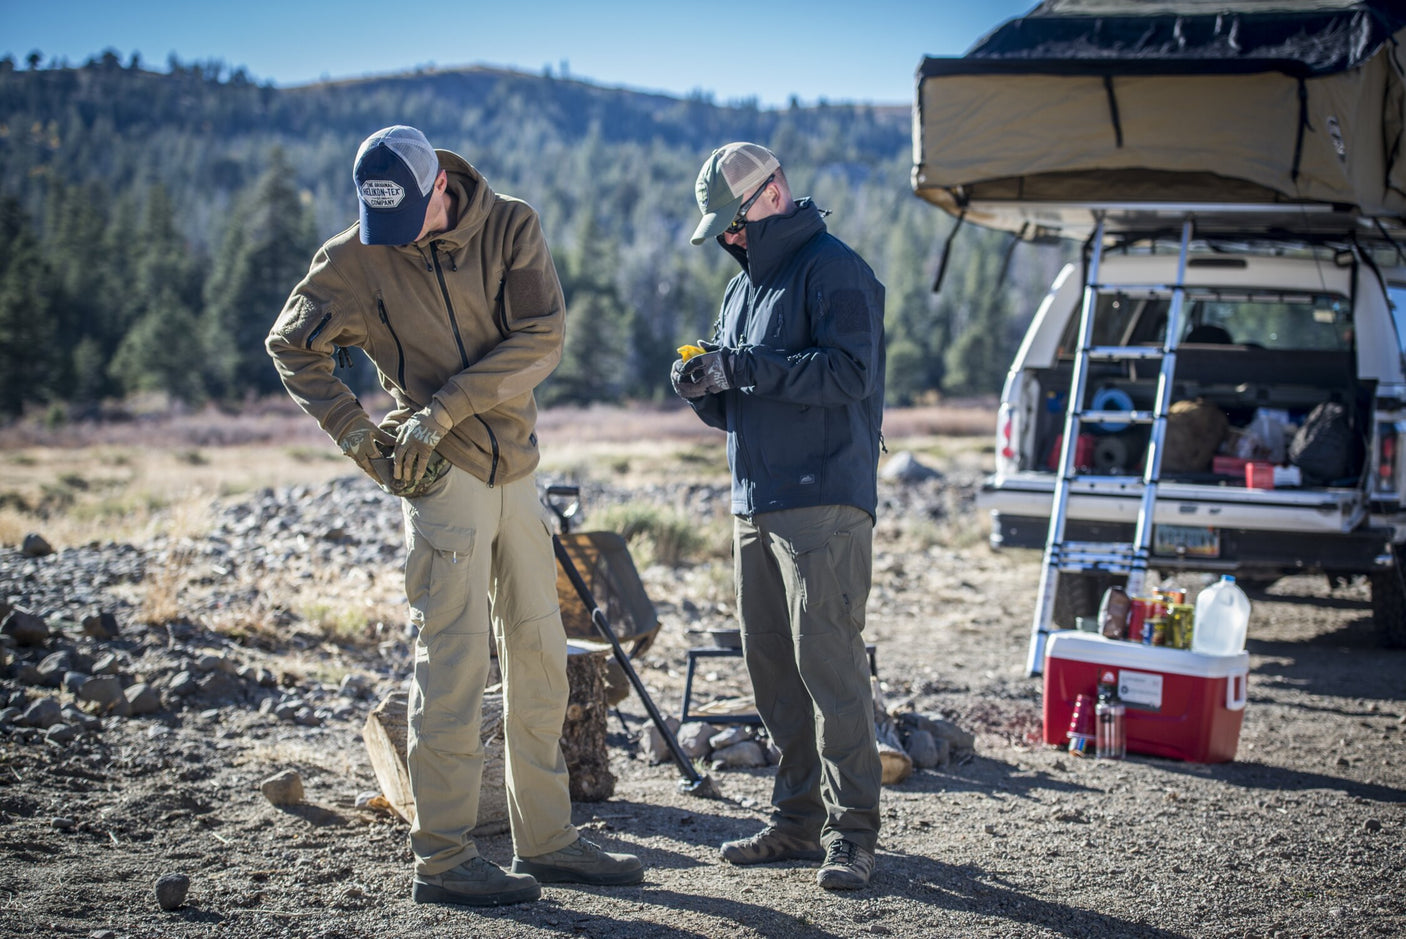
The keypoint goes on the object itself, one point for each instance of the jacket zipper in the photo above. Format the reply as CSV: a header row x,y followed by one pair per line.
x,y
399,349
493,441
463,354
448,304
317,330
500,312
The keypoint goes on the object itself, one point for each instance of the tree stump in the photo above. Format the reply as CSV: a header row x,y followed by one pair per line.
x,y
582,744
583,733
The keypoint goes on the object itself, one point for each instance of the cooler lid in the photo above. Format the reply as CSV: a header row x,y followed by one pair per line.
x,y
1072,646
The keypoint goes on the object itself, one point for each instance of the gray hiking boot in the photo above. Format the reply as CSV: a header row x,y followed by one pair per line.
x,y
771,844
847,866
476,882
582,862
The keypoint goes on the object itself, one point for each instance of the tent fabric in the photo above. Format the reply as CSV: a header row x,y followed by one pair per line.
x,y
1271,107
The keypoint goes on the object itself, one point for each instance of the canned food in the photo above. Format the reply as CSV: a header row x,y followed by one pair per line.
x,y
1181,616
1143,609
1154,631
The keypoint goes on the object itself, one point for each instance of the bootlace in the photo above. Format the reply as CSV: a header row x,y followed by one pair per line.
x,y
840,853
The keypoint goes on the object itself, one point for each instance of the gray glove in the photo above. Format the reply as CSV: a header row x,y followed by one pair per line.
x,y
363,444
703,374
415,443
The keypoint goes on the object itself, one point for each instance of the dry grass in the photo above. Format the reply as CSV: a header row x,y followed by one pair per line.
x,y
149,480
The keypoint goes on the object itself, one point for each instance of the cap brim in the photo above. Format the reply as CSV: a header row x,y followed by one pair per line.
x,y
398,226
715,223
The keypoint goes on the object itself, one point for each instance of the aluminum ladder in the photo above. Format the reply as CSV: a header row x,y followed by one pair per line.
x,y
1130,558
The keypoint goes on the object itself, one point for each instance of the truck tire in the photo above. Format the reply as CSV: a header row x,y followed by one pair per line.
x,y
1079,593
1389,606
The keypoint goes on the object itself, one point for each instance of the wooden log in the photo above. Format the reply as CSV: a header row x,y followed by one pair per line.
x,y
894,760
385,737
583,746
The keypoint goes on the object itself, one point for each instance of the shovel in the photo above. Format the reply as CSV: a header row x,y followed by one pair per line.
x,y
693,782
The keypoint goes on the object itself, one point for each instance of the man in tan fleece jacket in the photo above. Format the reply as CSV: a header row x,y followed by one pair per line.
x,y
449,288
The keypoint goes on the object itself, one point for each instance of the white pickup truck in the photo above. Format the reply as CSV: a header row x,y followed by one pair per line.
x,y
1267,338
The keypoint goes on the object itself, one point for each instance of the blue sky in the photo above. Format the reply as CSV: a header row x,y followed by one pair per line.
x,y
840,50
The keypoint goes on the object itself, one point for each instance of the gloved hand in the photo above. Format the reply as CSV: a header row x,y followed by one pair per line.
x,y
703,374
362,443
414,445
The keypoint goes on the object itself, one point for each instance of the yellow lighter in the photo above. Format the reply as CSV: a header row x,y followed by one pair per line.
x,y
689,351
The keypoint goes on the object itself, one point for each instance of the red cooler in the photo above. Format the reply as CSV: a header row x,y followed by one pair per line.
x,y
1180,704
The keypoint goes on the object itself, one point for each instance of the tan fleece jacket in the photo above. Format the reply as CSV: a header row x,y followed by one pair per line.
x,y
467,322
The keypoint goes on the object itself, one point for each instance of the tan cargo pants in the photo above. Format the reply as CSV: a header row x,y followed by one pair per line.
x,y
803,579
476,552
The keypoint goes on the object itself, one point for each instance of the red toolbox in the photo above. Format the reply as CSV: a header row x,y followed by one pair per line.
x,y
1180,704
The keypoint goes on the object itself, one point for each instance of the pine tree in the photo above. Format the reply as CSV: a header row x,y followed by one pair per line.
x,y
26,325
266,249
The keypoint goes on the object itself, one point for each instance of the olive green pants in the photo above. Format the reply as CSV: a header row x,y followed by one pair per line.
x,y
476,552
802,581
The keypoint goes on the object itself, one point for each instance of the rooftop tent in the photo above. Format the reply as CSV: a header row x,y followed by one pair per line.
x,y
1291,108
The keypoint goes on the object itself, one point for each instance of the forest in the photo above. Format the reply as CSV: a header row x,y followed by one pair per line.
x,y
152,223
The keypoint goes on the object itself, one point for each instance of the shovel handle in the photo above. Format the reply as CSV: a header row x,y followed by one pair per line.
x,y
603,626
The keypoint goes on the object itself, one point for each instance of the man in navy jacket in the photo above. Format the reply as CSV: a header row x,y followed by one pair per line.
x,y
795,375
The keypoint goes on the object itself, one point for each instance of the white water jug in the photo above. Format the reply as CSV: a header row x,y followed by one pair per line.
x,y
1221,620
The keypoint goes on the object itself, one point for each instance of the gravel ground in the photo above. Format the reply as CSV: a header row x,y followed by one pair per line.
x,y
1302,835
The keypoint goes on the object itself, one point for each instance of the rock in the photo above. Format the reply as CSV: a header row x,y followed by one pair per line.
x,y
728,737
904,467
60,734
72,681
653,747
25,628
34,546
221,688
182,684
42,713
171,890
353,685
923,749
956,737
740,755
103,693
61,823
53,666
100,625
284,788
142,699
9,716
693,739
108,664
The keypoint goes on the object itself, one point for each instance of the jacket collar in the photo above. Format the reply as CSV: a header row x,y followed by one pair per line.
x,y
770,241
472,199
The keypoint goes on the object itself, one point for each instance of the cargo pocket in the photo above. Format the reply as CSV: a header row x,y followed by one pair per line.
x,y
438,579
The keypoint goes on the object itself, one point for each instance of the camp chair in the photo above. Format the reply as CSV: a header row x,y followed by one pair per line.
x,y
602,558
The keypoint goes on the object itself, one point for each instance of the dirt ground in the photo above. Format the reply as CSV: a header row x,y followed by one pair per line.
x,y
1304,834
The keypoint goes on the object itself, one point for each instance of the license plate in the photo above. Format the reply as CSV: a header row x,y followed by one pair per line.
x,y
1189,540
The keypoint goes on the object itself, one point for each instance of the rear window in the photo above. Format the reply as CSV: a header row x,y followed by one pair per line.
x,y
1265,319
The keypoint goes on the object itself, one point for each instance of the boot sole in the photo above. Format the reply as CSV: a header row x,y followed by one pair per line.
x,y
429,893
564,875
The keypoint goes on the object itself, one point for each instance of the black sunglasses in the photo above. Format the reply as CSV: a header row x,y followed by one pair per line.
x,y
740,219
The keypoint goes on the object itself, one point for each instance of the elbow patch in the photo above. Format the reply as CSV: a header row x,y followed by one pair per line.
x,y
849,311
294,323
527,291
